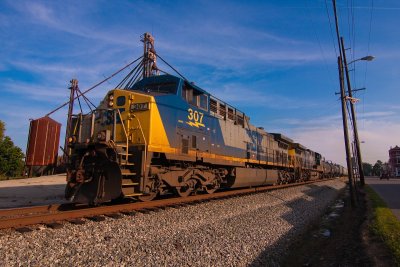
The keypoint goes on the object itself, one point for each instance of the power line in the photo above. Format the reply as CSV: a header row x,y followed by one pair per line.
x,y
94,86
354,43
349,18
366,65
369,39
352,34
319,43
330,26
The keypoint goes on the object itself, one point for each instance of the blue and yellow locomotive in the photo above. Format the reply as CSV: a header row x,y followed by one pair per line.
x,y
164,135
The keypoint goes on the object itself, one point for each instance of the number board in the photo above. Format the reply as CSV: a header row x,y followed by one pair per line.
x,y
139,106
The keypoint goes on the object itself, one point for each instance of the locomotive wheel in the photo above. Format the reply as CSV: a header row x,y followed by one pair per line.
x,y
151,191
183,191
187,188
211,188
148,197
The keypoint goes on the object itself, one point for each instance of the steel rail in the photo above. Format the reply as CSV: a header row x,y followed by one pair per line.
x,y
9,212
52,213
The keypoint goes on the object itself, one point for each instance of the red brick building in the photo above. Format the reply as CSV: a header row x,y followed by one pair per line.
x,y
394,161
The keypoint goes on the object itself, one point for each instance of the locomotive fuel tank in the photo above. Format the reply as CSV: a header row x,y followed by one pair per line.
x,y
247,177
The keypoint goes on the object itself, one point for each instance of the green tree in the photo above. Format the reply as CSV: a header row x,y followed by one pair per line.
x,y
11,156
367,169
377,168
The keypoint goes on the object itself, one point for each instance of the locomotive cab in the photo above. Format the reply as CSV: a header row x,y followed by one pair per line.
x,y
109,147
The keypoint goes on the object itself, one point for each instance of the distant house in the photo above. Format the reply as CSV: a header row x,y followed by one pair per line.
x,y
394,161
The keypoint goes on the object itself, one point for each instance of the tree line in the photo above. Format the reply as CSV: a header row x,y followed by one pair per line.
x,y
373,170
11,156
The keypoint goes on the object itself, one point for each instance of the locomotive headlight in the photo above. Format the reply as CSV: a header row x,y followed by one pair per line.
x,y
72,139
104,135
101,136
110,100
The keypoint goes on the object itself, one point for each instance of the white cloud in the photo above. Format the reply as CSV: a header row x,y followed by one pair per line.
x,y
372,114
377,136
51,95
40,12
59,19
327,141
234,57
236,93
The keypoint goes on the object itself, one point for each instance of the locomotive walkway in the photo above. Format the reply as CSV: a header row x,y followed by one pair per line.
x,y
388,190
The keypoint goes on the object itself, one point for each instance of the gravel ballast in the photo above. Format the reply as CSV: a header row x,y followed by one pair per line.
x,y
248,230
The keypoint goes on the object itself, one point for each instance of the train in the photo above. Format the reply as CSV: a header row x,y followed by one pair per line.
x,y
164,135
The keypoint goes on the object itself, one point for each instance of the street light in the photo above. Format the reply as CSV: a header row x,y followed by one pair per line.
x,y
366,58
353,113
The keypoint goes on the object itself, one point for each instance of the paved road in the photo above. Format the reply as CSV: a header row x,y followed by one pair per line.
x,y
388,190
32,191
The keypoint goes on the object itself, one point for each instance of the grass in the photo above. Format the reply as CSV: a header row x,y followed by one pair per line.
x,y
385,224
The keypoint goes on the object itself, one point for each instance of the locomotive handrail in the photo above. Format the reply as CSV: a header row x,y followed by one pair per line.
x,y
145,151
126,135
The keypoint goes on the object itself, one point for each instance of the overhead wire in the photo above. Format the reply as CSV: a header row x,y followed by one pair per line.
x,y
353,38
330,26
319,43
135,77
132,76
369,39
126,77
79,101
94,86
88,102
171,67
368,52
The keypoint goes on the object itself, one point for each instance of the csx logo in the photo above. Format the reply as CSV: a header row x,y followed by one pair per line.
x,y
195,118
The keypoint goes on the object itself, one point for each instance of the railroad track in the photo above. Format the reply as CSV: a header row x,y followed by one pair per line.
x,y
51,215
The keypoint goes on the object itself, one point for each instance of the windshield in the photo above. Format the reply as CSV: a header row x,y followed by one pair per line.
x,y
161,88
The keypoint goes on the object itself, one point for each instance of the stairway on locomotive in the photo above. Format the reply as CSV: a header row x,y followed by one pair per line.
x,y
96,146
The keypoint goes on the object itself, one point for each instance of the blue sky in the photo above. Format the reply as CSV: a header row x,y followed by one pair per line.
x,y
275,60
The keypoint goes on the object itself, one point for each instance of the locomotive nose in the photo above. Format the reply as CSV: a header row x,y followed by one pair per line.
x,y
97,182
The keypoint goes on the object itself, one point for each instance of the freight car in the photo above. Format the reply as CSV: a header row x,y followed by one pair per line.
x,y
164,135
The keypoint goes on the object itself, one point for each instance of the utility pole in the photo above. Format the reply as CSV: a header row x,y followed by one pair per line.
x,y
346,131
337,27
74,88
353,115
344,109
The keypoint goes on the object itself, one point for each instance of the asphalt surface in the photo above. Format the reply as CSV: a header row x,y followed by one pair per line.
x,y
32,191
388,190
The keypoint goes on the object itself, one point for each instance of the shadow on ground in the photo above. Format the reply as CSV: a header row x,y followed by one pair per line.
x,y
304,211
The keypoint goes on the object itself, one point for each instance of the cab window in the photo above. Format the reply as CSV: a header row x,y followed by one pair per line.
x,y
203,101
195,97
